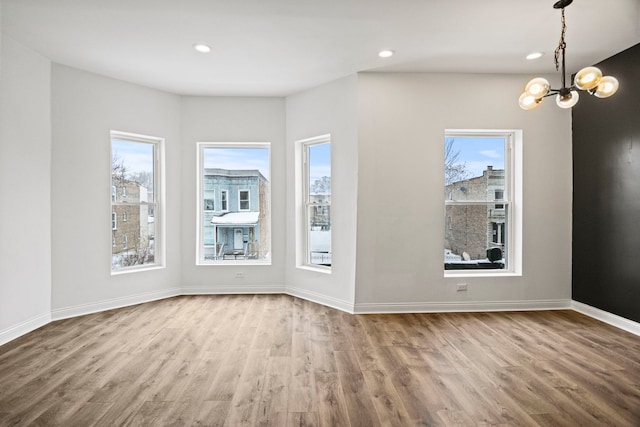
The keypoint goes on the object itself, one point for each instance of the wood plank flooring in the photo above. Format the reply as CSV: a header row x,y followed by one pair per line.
x,y
275,360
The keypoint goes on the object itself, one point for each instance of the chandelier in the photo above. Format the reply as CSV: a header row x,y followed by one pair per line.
x,y
589,79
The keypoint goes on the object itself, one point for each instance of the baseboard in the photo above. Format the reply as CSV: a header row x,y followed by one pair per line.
x,y
94,307
225,290
606,317
321,299
25,327
462,306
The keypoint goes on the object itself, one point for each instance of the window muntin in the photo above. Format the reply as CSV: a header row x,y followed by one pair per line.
x,y
478,172
317,201
238,230
135,173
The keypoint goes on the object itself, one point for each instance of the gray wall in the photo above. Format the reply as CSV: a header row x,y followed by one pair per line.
x,y
232,119
85,107
25,190
327,109
402,119
606,202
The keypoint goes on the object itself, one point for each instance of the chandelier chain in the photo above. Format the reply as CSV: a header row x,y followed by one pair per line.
x,y
562,44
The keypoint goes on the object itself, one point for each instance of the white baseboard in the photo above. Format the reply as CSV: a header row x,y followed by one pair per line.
x,y
23,328
321,299
226,290
94,307
606,317
462,306
27,326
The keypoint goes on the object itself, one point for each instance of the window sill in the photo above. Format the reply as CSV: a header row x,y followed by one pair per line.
x,y
482,273
317,269
136,269
232,262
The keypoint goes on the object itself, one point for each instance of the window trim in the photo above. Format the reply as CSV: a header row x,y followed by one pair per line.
x,y
158,199
512,200
303,242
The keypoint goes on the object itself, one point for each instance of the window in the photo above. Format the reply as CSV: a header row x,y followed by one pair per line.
x,y
316,174
482,167
499,195
223,200
136,196
239,230
243,200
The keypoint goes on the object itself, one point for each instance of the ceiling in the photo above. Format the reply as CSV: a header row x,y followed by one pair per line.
x,y
279,47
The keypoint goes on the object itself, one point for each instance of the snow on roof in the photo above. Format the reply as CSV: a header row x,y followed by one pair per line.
x,y
236,218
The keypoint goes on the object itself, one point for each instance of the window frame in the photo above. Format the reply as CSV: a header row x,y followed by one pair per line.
x,y
200,230
304,241
158,203
511,202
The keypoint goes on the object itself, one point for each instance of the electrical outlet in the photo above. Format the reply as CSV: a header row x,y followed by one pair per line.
x,y
461,287
239,275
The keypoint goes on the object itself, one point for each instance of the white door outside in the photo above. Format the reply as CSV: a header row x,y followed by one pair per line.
x,y
238,243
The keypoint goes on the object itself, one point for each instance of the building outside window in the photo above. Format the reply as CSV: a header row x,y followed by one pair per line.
x,y
135,177
238,229
479,170
316,173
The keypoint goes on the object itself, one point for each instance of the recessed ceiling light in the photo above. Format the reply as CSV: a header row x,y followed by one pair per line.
x,y
385,53
202,48
535,55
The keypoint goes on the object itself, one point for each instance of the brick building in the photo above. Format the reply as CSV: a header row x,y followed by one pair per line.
x,y
475,228
132,231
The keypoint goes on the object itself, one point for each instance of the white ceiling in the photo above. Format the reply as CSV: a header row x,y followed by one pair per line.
x,y
279,47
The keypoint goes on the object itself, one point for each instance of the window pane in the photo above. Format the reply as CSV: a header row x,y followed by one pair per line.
x,y
132,171
474,168
237,225
475,237
133,200
319,190
320,235
319,201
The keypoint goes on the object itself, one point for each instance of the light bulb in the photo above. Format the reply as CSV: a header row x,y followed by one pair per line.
x,y
528,102
608,86
202,48
537,87
567,100
588,78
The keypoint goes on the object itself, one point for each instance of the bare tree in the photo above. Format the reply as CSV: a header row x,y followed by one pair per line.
x,y
119,170
454,171
321,186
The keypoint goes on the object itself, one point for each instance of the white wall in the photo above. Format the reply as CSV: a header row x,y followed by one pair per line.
x,y
85,107
237,119
401,123
328,109
25,191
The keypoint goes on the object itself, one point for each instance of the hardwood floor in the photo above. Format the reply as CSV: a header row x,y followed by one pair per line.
x,y
275,360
